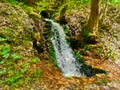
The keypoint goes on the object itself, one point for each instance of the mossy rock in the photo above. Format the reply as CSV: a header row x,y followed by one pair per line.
x,y
16,33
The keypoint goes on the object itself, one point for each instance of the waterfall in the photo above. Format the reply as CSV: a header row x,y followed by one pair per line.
x,y
64,54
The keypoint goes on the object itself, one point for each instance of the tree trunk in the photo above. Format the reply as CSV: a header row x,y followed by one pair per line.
x,y
91,33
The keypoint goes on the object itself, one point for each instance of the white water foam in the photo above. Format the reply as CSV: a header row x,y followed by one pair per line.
x,y
64,54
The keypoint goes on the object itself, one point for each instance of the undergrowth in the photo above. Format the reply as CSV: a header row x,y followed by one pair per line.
x,y
13,73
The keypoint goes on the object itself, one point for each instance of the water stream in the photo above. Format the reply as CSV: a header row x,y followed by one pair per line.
x,y
64,54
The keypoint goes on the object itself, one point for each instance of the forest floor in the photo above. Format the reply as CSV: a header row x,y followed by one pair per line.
x,y
52,79
104,55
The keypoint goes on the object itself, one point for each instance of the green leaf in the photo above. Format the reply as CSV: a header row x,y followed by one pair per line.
x,y
37,73
14,77
88,47
4,51
27,64
24,70
2,39
10,79
2,72
67,30
13,2
77,55
6,55
2,61
35,59
15,56
1,81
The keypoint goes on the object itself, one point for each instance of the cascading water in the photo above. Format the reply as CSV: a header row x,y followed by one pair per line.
x,y
64,54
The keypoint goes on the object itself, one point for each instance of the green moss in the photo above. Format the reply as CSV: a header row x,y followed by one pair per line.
x,y
52,55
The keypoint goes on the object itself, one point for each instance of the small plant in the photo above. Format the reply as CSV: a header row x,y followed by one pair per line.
x,y
79,58
2,39
67,30
43,5
107,52
84,52
25,7
4,51
10,75
15,56
13,75
88,47
35,59
37,73
13,2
